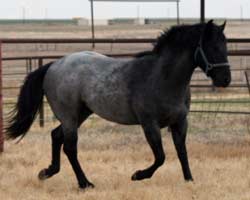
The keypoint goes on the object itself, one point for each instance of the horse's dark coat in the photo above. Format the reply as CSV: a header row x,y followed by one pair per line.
x,y
151,89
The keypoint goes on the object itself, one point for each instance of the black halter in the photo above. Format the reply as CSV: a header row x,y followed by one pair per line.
x,y
209,66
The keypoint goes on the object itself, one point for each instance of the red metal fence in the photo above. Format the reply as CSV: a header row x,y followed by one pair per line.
x,y
1,104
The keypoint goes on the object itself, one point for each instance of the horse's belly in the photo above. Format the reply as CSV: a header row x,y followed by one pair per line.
x,y
116,113
119,118
111,106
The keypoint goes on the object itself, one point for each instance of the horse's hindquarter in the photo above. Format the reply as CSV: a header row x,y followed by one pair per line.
x,y
95,80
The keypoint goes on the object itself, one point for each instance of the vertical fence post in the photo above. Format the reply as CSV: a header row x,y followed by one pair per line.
x,y
178,11
28,65
41,109
92,23
203,8
1,104
247,79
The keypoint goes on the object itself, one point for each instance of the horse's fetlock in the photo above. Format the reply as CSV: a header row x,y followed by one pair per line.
x,y
54,169
161,160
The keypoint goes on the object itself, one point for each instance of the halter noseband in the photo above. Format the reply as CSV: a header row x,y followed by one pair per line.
x,y
209,66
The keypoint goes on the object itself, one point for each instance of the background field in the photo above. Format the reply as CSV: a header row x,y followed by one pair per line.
x,y
218,144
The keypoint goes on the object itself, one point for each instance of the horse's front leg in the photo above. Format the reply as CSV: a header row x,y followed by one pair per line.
x,y
179,132
57,141
153,136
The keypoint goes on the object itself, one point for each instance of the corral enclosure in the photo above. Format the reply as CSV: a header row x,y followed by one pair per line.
x,y
218,142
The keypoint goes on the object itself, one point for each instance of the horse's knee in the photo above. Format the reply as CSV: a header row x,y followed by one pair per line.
x,y
70,151
57,134
70,144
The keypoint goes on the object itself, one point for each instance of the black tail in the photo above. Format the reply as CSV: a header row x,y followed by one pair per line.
x,y
27,106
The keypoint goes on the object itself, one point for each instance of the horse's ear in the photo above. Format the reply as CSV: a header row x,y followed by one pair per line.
x,y
223,25
208,29
211,21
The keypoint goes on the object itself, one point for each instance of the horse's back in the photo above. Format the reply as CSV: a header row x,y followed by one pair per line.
x,y
92,79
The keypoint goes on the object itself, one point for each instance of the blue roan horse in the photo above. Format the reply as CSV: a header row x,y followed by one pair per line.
x,y
151,90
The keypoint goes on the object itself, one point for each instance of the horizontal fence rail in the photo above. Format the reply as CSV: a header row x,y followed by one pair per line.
x,y
230,53
220,112
100,40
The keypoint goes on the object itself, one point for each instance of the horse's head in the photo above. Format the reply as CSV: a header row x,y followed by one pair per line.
x,y
211,54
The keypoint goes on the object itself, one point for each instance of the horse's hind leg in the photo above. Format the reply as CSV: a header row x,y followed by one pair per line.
x,y
57,141
57,136
70,149
153,136
70,126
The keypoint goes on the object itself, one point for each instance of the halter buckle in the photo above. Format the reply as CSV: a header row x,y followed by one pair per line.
x,y
209,66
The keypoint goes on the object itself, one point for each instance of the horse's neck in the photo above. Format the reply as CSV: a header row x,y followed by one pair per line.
x,y
178,69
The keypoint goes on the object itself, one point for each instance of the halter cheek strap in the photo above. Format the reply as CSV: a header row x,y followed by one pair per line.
x,y
209,66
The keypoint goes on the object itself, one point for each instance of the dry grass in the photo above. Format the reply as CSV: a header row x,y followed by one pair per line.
x,y
110,154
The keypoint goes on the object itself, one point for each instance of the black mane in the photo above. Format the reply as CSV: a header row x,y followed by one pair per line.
x,y
183,35
177,36
144,53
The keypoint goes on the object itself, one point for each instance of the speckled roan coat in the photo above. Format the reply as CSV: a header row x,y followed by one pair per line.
x,y
151,90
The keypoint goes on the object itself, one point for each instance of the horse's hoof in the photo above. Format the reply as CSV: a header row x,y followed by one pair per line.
x,y
43,175
86,185
189,180
137,176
